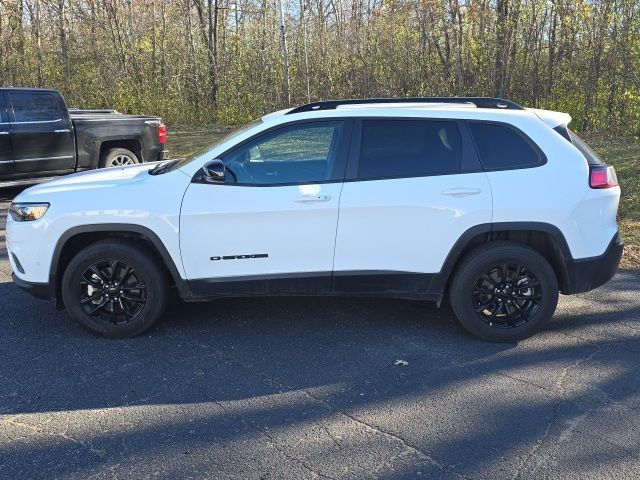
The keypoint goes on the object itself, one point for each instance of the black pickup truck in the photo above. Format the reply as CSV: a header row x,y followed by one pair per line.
x,y
40,137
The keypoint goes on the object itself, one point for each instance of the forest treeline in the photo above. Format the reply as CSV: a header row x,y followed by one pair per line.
x,y
228,61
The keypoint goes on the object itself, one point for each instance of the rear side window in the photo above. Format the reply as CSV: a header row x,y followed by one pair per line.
x,y
502,147
35,107
409,148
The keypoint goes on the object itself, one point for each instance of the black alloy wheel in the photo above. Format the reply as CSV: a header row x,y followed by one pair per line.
x,y
112,291
507,295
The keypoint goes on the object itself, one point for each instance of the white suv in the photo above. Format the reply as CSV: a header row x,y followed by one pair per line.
x,y
499,206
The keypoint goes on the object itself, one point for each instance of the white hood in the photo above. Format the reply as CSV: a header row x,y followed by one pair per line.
x,y
101,178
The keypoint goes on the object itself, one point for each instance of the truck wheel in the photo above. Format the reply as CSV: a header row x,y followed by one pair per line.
x,y
118,157
504,292
115,288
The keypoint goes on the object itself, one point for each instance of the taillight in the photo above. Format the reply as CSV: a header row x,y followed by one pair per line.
x,y
602,176
162,133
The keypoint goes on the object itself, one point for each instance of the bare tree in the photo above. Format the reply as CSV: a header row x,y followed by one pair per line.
x,y
227,61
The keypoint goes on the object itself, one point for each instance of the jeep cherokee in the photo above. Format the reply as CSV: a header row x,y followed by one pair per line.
x,y
498,206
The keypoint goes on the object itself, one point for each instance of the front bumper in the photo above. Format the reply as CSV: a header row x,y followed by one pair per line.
x,y
38,290
585,274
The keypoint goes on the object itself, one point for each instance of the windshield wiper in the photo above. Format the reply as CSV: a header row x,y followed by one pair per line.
x,y
163,167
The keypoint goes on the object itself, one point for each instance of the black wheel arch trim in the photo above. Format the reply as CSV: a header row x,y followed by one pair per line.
x,y
570,271
441,279
181,284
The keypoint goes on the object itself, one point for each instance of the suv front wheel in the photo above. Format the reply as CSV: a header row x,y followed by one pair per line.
x,y
115,288
504,292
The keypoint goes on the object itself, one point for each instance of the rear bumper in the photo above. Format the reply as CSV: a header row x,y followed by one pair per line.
x,y
38,290
155,153
588,273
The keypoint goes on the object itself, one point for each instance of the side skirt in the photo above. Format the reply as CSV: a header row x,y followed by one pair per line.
x,y
407,285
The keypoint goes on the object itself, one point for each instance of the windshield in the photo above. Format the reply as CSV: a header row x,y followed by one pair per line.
x,y
225,138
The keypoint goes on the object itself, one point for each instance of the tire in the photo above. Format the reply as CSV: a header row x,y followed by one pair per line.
x,y
513,309
118,157
126,311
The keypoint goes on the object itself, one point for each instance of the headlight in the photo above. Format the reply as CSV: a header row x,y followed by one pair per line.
x,y
26,212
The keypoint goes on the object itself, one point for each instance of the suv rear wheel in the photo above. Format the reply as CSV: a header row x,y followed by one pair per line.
x,y
504,292
114,288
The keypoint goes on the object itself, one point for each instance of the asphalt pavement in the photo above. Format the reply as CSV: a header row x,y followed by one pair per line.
x,y
295,388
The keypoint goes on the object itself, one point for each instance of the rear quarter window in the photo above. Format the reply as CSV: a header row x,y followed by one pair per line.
x,y
502,147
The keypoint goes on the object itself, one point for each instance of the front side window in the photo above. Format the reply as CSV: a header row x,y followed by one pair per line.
x,y
409,148
35,107
501,147
302,153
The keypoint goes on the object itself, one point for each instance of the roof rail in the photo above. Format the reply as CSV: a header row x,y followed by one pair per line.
x,y
480,102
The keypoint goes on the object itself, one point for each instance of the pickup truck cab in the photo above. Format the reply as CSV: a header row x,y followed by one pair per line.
x,y
40,137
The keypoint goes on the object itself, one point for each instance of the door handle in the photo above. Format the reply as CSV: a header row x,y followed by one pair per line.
x,y
313,199
4,133
461,192
62,130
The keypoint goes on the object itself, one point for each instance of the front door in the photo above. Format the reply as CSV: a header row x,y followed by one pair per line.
x,y
271,227
41,133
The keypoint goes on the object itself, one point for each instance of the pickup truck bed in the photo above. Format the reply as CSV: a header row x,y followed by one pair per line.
x,y
40,137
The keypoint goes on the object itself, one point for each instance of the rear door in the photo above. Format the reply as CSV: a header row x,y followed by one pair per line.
x,y
6,156
416,188
41,133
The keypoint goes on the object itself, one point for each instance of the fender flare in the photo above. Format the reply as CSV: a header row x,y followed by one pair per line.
x,y
181,284
441,279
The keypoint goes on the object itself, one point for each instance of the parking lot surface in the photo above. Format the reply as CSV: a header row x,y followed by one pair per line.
x,y
318,388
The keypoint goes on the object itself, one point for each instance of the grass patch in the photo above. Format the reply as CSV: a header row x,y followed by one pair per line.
x,y
624,154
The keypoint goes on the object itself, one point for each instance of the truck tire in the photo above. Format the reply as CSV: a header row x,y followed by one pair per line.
x,y
504,292
115,288
118,157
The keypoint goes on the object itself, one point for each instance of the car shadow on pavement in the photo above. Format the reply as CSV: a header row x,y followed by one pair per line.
x,y
321,372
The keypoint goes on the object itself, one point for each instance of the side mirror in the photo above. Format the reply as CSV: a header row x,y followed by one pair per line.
x,y
214,171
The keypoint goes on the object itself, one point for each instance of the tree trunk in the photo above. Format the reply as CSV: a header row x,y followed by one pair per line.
x,y
285,54
501,37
